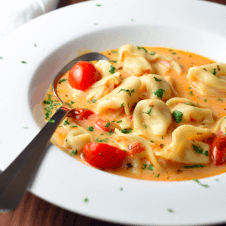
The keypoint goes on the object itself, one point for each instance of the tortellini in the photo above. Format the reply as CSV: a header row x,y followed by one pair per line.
x,y
209,80
104,86
150,83
137,65
152,119
190,110
186,146
77,138
104,67
148,153
122,97
220,126
138,61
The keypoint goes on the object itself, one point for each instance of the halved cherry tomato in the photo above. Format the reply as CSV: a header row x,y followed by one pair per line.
x,y
104,125
103,156
81,114
82,75
135,148
218,151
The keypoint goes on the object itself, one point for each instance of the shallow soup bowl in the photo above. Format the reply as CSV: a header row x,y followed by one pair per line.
x,y
36,52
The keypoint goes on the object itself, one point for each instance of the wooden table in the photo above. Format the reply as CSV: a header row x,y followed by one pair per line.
x,y
34,211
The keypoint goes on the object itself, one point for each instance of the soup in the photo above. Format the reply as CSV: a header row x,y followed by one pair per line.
x,y
149,113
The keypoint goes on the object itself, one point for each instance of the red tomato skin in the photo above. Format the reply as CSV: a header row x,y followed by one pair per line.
x,y
101,125
136,148
103,156
81,114
82,75
218,150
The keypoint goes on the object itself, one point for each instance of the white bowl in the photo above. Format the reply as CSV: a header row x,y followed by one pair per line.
x,y
62,35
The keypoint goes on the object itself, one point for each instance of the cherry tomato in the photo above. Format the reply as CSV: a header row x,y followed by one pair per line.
x,y
103,156
81,114
82,75
135,148
218,151
103,125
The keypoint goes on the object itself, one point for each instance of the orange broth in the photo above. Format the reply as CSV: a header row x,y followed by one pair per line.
x,y
172,171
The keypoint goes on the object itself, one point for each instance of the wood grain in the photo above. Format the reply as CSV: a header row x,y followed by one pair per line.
x,y
34,211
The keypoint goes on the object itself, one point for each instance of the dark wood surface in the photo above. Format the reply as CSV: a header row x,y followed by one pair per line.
x,y
34,211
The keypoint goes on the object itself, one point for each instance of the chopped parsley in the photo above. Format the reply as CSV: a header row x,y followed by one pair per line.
x,y
119,121
214,71
150,167
35,45
24,62
90,128
197,149
206,153
107,124
152,53
113,51
159,93
98,4
101,140
47,101
204,185
69,104
62,80
170,210
219,100
157,175
112,69
177,115
174,53
85,200
126,130
1,58
142,48
66,122
149,111
122,105
205,100
110,132
113,61
194,166
94,100
74,152
157,80
51,121
191,93
126,90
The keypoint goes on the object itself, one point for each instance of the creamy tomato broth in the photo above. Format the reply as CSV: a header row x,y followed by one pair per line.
x,y
161,111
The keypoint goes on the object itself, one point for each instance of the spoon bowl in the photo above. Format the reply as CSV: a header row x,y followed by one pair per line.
x,y
14,180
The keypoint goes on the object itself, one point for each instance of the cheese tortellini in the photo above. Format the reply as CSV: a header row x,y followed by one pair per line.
x,y
122,97
190,110
77,138
104,86
209,80
150,83
152,119
186,146
136,60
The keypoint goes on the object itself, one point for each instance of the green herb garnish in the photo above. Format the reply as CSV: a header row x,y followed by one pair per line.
x,y
112,69
62,80
177,115
74,152
126,130
142,48
90,128
204,185
197,149
159,93
157,80
126,90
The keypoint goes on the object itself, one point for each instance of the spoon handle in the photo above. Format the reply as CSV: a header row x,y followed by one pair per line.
x,y
14,180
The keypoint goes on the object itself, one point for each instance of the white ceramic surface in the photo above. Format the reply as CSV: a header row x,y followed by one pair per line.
x,y
59,37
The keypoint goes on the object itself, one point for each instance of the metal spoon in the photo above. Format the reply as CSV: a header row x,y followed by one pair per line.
x,y
14,180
